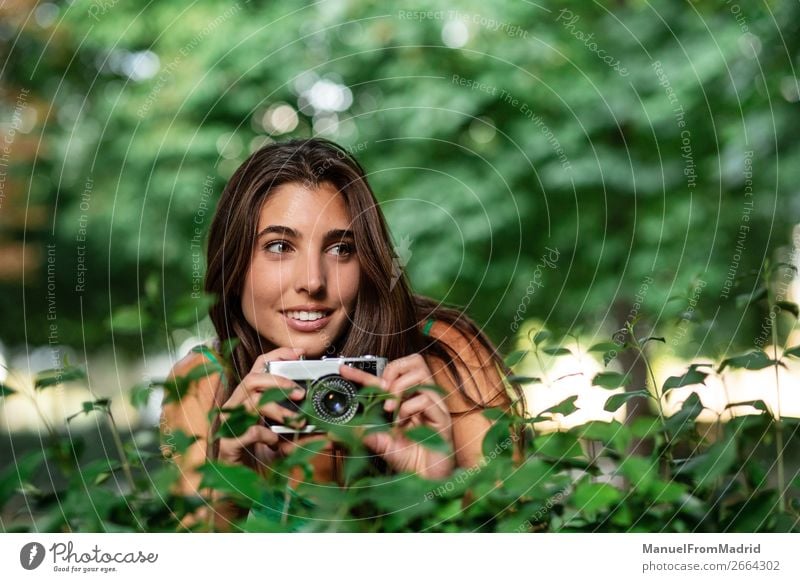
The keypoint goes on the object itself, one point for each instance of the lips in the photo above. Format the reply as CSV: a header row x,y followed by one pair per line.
x,y
306,326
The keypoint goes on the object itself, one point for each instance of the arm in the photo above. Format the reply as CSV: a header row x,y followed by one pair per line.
x,y
481,382
257,447
190,415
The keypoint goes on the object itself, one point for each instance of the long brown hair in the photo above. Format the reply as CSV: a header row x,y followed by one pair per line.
x,y
387,315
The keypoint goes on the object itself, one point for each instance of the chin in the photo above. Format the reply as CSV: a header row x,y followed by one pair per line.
x,y
314,350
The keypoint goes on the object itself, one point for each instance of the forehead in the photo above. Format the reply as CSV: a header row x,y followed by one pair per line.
x,y
294,204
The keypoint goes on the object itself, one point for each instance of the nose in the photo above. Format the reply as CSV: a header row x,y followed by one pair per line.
x,y
309,275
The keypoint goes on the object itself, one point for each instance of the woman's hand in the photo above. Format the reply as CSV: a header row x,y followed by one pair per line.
x,y
421,407
268,445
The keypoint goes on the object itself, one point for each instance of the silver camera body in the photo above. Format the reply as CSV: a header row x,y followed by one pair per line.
x,y
334,399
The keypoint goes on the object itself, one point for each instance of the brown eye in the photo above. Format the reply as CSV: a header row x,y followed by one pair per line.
x,y
342,249
277,247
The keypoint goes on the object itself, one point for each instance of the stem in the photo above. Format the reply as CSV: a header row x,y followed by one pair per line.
x,y
126,467
657,398
778,423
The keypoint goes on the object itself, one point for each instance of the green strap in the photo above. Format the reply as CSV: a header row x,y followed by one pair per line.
x,y
428,325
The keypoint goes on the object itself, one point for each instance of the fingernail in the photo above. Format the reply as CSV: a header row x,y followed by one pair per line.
x,y
298,393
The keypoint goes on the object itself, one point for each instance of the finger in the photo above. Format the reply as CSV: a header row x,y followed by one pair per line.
x,y
422,404
280,414
401,366
256,434
280,354
360,376
255,383
400,385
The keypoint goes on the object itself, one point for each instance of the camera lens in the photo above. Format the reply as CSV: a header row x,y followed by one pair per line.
x,y
334,403
335,399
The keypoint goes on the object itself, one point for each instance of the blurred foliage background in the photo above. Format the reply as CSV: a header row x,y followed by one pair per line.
x,y
625,135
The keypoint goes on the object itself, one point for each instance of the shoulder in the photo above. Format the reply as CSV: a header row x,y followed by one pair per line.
x,y
200,373
481,381
467,347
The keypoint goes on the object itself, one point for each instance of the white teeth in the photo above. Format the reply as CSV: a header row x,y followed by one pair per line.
x,y
306,315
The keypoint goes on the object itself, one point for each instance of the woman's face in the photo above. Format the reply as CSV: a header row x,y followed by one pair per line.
x,y
300,290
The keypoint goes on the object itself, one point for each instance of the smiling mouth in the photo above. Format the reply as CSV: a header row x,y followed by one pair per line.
x,y
312,315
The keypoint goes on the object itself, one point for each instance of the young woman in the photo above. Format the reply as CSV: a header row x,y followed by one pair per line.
x,y
300,259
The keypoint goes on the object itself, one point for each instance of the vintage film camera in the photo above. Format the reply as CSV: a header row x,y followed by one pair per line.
x,y
332,399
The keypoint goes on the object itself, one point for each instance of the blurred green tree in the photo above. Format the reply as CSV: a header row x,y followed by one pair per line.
x,y
628,136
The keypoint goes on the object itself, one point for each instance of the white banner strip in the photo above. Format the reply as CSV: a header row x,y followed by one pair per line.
x,y
370,557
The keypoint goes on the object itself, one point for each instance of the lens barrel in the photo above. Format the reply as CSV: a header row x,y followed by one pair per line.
x,y
335,399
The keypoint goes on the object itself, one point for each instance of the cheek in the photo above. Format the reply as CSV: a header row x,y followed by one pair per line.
x,y
347,282
260,286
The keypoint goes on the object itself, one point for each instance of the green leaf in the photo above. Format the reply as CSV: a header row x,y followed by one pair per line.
x,y
685,417
129,319
152,288
610,380
210,354
176,388
615,401
191,310
237,480
524,380
790,307
689,378
15,475
715,462
55,376
428,438
640,472
754,360
603,347
515,358
304,454
757,404
612,433
494,414
101,404
591,497
541,336
497,440
236,423
652,339
6,391
645,427
413,389
793,352
565,407
666,492
557,351
751,515
140,395
177,441
747,298
273,395
558,445
228,346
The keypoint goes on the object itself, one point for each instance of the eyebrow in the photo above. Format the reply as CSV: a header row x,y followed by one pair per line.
x,y
336,233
